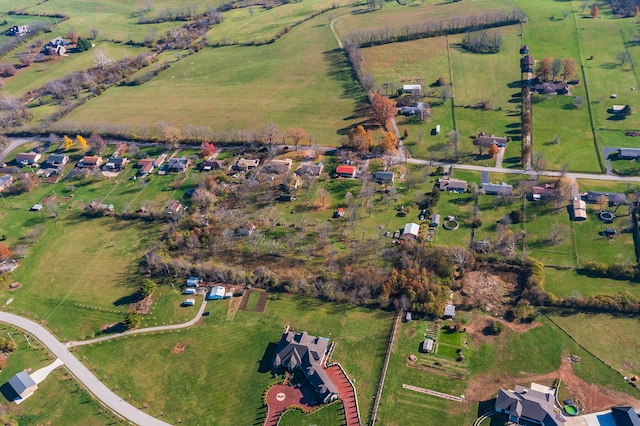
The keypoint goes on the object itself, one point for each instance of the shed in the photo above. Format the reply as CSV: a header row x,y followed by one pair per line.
x,y
217,292
427,346
435,220
36,207
411,231
410,88
286,197
23,384
578,210
407,317
617,109
610,231
437,130
189,302
449,311
190,291
193,282
5,182
338,213
228,295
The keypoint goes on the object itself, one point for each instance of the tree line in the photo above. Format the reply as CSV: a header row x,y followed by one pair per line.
x,y
456,25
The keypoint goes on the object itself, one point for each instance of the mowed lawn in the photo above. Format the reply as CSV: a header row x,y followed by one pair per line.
x,y
73,405
78,276
245,88
617,341
566,283
223,371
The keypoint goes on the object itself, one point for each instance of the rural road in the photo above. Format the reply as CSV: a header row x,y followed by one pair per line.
x,y
82,373
13,144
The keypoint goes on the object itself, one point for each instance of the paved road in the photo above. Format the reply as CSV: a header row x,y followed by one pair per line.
x,y
82,373
13,144
142,330
630,179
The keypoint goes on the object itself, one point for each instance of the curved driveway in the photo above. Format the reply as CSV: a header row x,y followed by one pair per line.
x,y
82,373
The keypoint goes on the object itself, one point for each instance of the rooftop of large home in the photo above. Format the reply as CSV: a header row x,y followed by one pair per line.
x,y
451,184
308,168
346,171
615,198
301,351
57,160
246,164
178,164
497,188
628,153
279,166
385,177
411,230
522,404
488,140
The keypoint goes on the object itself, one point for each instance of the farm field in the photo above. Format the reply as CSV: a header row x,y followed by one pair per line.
x,y
250,76
246,346
566,283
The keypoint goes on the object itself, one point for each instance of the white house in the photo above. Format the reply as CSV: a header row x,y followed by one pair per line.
x,y
410,88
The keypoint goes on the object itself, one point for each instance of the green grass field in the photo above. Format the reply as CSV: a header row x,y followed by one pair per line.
x,y
223,359
328,416
619,332
73,406
566,283
245,88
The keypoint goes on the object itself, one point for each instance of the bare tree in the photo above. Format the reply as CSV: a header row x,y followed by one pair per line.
x,y
270,134
101,59
94,33
558,233
454,138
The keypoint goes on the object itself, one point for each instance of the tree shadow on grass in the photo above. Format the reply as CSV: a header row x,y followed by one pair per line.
x,y
114,329
265,363
127,300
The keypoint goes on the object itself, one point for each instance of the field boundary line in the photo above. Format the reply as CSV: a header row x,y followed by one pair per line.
x,y
586,91
376,402
453,90
432,393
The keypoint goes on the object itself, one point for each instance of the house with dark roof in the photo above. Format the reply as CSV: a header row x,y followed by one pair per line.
x,y
178,165
524,50
346,171
551,88
384,177
625,416
246,229
615,198
115,164
527,404
487,140
527,63
214,165
18,30
56,160
23,384
307,354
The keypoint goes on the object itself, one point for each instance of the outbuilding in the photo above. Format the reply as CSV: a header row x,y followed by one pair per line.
x,y
23,384
190,291
411,231
435,221
427,346
449,311
193,282
189,302
217,292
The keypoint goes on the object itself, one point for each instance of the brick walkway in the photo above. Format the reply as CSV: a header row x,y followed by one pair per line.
x,y
347,394
303,397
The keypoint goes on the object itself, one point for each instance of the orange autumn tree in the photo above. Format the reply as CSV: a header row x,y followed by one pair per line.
x,y
544,68
388,143
493,150
594,11
4,252
382,109
360,139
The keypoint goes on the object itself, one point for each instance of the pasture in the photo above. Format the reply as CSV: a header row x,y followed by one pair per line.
x,y
566,283
234,359
245,88
617,341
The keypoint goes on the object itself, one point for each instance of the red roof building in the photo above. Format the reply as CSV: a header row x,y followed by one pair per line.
x,y
346,171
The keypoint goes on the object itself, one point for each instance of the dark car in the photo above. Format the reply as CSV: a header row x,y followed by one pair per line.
x,y
206,313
